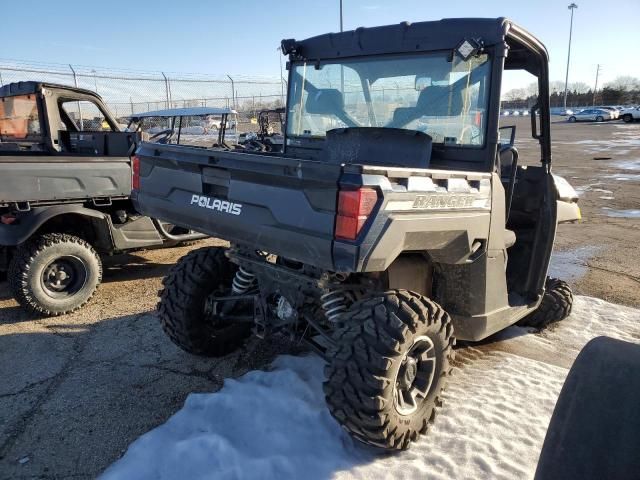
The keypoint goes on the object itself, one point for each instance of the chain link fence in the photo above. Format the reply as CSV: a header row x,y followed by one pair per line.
x,y
128,92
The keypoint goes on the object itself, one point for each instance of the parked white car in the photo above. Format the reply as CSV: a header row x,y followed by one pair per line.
x,y
590,115
630,114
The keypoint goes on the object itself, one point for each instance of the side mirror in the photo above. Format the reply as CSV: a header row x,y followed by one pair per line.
x,y
507,136
325,101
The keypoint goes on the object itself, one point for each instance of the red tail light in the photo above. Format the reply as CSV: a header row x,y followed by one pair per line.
x,y
354,208
135,177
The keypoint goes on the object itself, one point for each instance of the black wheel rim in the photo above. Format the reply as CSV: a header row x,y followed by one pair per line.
x,y
63,277
414,380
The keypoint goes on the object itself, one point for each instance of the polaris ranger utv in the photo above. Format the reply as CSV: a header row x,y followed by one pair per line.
x,y
396,219
65,195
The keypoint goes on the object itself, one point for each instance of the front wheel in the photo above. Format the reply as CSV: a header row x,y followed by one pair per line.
x,y
572,119
185,314
55,273
388,368
627,118
599,119
556,305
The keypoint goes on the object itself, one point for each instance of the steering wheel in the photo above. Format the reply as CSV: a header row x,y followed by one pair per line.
x,y
162,137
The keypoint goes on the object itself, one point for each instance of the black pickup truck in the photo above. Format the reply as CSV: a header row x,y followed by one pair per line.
x,y
65,195
396,219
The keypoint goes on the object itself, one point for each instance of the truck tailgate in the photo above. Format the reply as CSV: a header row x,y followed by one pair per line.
x,y
264,202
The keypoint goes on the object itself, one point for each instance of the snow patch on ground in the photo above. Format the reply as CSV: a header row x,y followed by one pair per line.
x,y
630,213
275,424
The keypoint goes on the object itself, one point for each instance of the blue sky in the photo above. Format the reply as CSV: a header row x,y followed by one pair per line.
x,y
241,37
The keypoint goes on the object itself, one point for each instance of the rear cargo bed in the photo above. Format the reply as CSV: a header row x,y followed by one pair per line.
x,y
264,202
58,178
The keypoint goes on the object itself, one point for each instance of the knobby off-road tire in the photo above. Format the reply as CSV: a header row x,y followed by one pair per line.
x,y
54,274
368,367
555,306
183,299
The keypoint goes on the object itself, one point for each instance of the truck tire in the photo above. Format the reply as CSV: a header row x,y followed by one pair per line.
x,y
388,368
183,300
555,306
54,274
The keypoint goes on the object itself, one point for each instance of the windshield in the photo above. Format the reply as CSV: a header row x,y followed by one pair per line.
x,y
447,99
19,118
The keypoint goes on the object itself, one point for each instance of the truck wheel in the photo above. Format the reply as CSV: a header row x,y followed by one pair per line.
x,y
54,274
627,118
555,306
388,368
183,307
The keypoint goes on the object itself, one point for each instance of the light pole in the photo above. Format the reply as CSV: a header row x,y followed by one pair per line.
x,y
571,7
340,15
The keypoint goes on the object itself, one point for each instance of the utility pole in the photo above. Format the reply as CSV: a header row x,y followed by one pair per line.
x,y
281,78
95,81
75,82
571,7
595,89
341,66
233,92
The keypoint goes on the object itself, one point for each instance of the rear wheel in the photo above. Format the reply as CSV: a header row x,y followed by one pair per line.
x,y
185,313
388,368
55,273
556,305
572,119
599,119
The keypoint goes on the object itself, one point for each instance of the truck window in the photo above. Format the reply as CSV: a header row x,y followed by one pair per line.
x,y
86,116
19,119
445,98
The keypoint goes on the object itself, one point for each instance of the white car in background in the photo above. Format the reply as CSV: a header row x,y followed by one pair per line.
x,y
614,111
630,114
591,115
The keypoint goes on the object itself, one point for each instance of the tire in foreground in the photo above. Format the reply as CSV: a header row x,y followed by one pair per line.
x,y
389,367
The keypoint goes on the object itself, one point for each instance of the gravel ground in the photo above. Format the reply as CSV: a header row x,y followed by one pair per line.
x,y
78,389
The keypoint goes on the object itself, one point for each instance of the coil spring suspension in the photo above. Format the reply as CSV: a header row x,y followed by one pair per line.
x,y
242,282
334,304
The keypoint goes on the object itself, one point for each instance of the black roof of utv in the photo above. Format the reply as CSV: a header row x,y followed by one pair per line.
x,y
28,88
410,37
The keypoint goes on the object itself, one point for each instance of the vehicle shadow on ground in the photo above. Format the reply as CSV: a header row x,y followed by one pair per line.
x,y
75,395
129,266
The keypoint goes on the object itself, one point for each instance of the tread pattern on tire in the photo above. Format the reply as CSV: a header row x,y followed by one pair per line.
x,y
556,305
360,376
182,298
21,264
